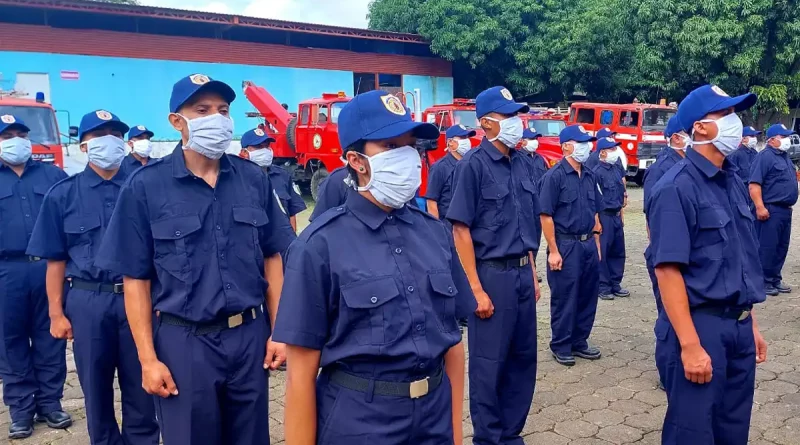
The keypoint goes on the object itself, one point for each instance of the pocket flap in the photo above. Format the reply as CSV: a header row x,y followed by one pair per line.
x,y
442,283
568,195
254,216
76,225
41,189
712,218
781,166
528,185
745,211
661,329
369,294
494,191
175,227
5,193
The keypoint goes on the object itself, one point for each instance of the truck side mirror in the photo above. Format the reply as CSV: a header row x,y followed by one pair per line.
x,y
73,132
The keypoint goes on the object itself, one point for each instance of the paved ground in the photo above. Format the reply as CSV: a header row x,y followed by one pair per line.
x,y
611,401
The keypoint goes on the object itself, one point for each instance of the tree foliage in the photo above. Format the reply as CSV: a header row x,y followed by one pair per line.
x,y
611,50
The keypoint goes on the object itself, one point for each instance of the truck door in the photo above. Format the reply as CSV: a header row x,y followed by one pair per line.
x,y
303,123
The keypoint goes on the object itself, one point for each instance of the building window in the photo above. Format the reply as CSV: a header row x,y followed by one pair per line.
x,y
392,83
363,82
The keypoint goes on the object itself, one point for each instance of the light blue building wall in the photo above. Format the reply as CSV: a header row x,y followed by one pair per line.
x,y
138,90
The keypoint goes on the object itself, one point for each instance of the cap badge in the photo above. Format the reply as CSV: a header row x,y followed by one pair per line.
x,y
103,115
610,140
393,104
533,130
783,126
719,91
506,94
141,128
258,132
7,119
461,127
199,79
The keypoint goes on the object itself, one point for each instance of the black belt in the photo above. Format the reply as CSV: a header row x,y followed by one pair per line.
x,y
212,326
508,263
611,212
783,206
20,258
569,236
412,390
733,313
96,286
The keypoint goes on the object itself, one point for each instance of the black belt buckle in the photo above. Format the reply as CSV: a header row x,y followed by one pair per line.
x,y
119,288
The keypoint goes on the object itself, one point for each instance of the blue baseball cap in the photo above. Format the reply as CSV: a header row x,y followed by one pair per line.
x,y
377,115
8,121
255,137
605,133
99,118
778,130
530,134
750,131
575,133
139,130
187,87
606,143
459,131
673,126
708,99
498,100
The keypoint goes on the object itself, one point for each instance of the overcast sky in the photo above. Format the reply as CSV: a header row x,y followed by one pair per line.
x,y
351,13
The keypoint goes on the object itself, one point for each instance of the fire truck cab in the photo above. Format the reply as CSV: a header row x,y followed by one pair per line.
x,y
40,117
548,123
639,128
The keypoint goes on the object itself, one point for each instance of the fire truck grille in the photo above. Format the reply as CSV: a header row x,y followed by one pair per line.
x,y
649,150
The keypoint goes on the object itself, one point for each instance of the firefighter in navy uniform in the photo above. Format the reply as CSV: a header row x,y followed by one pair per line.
x,y
440,177
255,146
89,306
141,146
745,156
32,363
197,236
705,252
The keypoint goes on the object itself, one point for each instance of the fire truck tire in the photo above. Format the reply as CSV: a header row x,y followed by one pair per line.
x,y
290,133
316,180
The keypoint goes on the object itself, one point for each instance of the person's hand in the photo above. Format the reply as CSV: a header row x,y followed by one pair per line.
x,y
485,306
61,328
761,346
555,261
157,380
696,364
276,354
762,213
598,228
536,288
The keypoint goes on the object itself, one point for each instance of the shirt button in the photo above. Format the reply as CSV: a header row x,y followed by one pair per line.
x,y
222,256
24,198
228,286
450,289
419,327
398,251
177,232
219,227
27,215
373,300
411,288
390,217
422,365
255,222
83,228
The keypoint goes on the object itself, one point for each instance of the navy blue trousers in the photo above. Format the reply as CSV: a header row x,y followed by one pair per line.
x,y
612,246
103,345
773,238
347,417
503,353
717,412
573,295
222,385
32,363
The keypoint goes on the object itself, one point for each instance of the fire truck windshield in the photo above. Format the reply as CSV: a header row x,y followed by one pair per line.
x,y
40,120
656,120
467,118
547,127
336,108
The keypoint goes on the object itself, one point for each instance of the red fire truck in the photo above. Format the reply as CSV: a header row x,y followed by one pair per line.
x,y
639,127
548,123
41,119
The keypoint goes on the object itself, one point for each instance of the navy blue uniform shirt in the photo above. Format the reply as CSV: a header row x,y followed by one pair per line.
x,y
440,183
743,159
202,247
773,169
130,164
284,187
610,180
378,293
20,200
594,161
701,221
73,220
572,200
539,167
494,195
332,192
665,160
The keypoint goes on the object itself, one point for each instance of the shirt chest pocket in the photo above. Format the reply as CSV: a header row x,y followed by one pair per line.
x,y
372,311
784,172
443,299
38,193
529,199
283,199
82,232
712,237
248,221
171,249
567,199
494,198
7,204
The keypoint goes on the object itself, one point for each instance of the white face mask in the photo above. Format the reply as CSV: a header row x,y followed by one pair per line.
x,y
531,146
686,143
786,143
510,131
142,148
395,176
106,152
729,133
464,145
751,142
209,135
15,151
581,151
262,157
612,156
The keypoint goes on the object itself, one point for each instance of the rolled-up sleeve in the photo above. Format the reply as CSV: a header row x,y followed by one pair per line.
x,y
466,193
48,239
277,235
670,238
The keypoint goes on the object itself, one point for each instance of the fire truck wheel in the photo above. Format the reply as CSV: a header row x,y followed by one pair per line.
x,y
316,180
290,133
